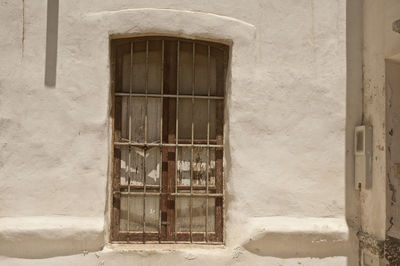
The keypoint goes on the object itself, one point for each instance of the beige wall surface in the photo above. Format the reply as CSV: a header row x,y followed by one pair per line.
x,y
285,127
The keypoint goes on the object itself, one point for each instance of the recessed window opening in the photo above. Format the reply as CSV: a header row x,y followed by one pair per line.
x,y
168,108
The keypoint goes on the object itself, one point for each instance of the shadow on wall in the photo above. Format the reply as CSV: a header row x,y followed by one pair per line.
x,y
297,245
51,43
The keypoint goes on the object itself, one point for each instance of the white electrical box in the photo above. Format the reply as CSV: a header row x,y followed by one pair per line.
x,y
363,157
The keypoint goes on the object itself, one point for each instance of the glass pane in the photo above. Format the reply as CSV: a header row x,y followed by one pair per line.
x,y
185,119
154,113
199,214
213,119
211,168
217,72
185,68
154,82
138,112
126,65
184,159
200,118
137,164
135,216
152,213
124,166
139,67
201,70
153,166
199,166
213,74
182,214
125,119
123,214
211,215
135,213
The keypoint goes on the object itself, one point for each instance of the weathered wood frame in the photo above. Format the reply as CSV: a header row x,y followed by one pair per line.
x,y
169,145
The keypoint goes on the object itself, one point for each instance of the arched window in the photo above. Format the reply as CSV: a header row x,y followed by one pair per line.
x,y
168,107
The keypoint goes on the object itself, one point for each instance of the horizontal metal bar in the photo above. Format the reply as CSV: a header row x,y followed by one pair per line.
x,y
139,193
179,96
173,194
166,145
197,194
165,242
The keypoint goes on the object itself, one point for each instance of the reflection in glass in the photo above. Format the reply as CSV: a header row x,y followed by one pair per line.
x,y
152,212
199,214
182,214
153,166
135,216
184,159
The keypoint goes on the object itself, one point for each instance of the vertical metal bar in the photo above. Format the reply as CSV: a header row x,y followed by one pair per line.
x,y
161,137
176,130
145,140
146,91
208,134
129,132
192,141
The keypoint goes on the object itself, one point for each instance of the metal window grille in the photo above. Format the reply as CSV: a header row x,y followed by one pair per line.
x,y
168,107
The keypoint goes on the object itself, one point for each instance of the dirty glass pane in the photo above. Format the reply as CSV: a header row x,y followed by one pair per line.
x,y
152,213
135,206
211,215
154,113
139,67
199,214
135,213
124,166
126,64
184,159
137,164
125,119
211,168
199,166
213,119
201,70
138,112
217,74
185,119
123,217
154,81
153,166
182,209
200,118
185,68
213,75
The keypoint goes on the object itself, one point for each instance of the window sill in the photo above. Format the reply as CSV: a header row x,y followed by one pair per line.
x,y
162,247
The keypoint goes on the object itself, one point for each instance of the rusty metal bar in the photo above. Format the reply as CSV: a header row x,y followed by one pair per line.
x,y
208,132
198,195
145,140
176,130
129,131
192,140
181,96
161,137
136,144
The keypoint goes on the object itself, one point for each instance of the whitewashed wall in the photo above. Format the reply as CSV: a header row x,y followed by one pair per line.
x,y
285,157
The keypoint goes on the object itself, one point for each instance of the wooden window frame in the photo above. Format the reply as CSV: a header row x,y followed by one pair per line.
x,y
169,145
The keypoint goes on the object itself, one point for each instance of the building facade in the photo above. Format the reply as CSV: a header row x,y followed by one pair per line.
x,y
295,80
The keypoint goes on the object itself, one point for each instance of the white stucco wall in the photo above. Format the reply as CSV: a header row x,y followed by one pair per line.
x,y
284,161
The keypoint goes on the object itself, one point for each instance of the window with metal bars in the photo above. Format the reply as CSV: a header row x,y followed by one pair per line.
x,y
168,108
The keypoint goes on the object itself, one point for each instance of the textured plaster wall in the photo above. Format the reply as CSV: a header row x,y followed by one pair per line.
x,y
285,156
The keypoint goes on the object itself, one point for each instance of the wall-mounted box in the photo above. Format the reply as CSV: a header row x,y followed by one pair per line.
x,y
363,157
